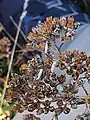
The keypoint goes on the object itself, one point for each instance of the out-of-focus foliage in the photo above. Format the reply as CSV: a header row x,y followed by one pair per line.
x,y
6,112
84,5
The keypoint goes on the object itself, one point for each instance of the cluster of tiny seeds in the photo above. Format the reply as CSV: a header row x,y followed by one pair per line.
x,y
30,117
5,47
31,93
52,28
85,116
38,86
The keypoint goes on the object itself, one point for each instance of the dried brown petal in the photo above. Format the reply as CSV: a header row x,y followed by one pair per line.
x,y
66,110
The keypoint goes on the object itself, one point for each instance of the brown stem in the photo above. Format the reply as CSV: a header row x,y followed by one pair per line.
x,y
85,90
61,46
11,38
10,64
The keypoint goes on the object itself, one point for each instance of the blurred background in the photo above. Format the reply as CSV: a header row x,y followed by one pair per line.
x,y
84,5
39,9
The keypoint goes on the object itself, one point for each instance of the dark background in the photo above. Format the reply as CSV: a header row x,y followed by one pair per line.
x,y
84,5
14,8
39,10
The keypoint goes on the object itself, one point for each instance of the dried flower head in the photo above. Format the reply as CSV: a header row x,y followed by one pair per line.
x,y
5,47
54,28
38,87
30,90
30,117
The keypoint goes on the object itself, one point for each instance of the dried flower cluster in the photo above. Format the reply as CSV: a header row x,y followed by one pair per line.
x,y
85,116
4,55
62,28
5,111
31,117
61,90
36,86
5,47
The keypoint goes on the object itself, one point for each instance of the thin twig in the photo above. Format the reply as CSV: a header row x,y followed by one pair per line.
x,y
10,64
13,50
86,4
61,46
85,90
10,36
17,28
19,51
